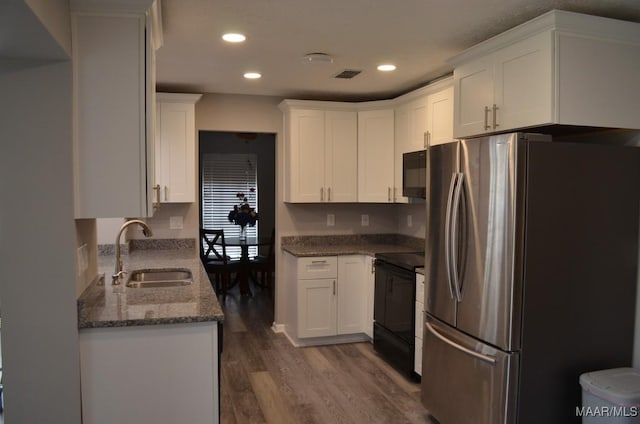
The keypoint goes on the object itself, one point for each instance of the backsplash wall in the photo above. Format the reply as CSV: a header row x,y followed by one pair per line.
x,y
311,219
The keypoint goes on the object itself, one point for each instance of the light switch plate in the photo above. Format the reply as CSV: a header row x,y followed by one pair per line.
x,y
175,223
364,220
331,220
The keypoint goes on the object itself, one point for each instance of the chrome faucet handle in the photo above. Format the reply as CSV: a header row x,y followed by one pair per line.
x,y
117,277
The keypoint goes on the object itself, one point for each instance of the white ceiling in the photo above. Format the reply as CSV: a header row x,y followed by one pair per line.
x,y
417,35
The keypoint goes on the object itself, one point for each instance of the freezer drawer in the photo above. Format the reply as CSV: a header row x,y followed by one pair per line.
x,y
464,380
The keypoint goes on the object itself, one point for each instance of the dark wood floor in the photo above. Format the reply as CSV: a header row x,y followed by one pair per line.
x,y
267,380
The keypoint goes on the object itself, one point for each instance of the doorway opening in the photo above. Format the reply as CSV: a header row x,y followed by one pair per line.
x,y
233,164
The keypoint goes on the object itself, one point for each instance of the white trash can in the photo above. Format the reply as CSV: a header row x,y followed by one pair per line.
x,y
610,397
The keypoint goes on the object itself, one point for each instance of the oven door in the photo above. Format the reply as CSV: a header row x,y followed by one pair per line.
x,y
394,300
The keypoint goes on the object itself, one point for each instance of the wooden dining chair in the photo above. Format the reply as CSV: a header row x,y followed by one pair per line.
x,y
213,254
265,265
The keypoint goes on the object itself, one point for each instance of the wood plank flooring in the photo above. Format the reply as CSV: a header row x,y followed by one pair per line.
x,y
264,379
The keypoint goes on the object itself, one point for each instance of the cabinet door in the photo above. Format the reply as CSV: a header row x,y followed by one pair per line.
x,y
440,117
306,155
175,152
317,307
351,294
341,156
523,87
111,56
418,124
473,90
370,282
401,145
375,156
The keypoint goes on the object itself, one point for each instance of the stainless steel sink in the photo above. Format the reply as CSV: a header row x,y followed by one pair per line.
x,y
163,277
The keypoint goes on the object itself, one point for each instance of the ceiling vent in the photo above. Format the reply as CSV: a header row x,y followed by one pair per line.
x,y
348,74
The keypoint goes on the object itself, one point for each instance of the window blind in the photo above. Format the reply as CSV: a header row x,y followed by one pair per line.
x,y
223,176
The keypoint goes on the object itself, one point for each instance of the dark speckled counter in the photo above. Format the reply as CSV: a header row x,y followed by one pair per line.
x,y
361,244
106,305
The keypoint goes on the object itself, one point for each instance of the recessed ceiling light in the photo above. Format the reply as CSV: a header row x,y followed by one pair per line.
x,y
252,75
234,37
387,67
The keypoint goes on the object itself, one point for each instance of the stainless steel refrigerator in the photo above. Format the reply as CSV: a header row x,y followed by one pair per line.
x,y
530,275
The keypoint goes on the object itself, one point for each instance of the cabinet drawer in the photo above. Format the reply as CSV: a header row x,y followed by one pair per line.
x,y
318,267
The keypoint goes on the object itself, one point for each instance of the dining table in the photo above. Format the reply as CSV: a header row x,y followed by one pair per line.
x,y
245,262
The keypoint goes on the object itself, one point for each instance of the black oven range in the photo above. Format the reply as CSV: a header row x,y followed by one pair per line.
x,y
394,311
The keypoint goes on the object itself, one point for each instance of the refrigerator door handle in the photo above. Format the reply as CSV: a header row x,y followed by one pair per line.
x,y
447,233
453,243
486,358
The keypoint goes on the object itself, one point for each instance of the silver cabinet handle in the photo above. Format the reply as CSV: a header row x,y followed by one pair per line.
x,y
495,116
334,287
486,358
322,194
389,194
166,193
156,204
373,266
329,194
427,139
486,118
319,262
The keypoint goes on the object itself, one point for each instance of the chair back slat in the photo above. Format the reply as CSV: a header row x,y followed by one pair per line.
x,y
210,242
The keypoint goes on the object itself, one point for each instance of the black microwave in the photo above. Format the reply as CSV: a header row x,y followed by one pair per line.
x,y
414,174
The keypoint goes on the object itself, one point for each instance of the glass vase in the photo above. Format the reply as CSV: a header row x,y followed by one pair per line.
x,y
243,232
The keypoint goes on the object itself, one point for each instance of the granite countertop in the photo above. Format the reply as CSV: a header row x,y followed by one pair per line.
x,y
105,305
365,244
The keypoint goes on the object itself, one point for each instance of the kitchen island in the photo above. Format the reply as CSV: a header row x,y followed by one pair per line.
x,y
150,354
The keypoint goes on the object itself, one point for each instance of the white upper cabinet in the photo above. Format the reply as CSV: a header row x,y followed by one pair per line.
x,y
560,68
321,150
114,106
509,89
341,153
410,135
440,117
175,147
425,118
375,156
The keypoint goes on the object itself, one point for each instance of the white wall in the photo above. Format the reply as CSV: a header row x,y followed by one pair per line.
x,y
54,15
41,372
37,247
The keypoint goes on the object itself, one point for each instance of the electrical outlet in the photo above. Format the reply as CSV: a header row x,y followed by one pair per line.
x,y
364,220
409,221
175,223
331,220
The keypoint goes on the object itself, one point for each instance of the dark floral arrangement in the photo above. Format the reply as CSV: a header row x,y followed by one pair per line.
x,y
243,214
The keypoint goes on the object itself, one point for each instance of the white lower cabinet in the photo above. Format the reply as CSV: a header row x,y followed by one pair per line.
x,y
331,295
370,284
351,294
150,374
317,307
419,323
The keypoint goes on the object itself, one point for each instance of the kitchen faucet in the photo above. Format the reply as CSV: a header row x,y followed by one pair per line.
x,y
147,233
